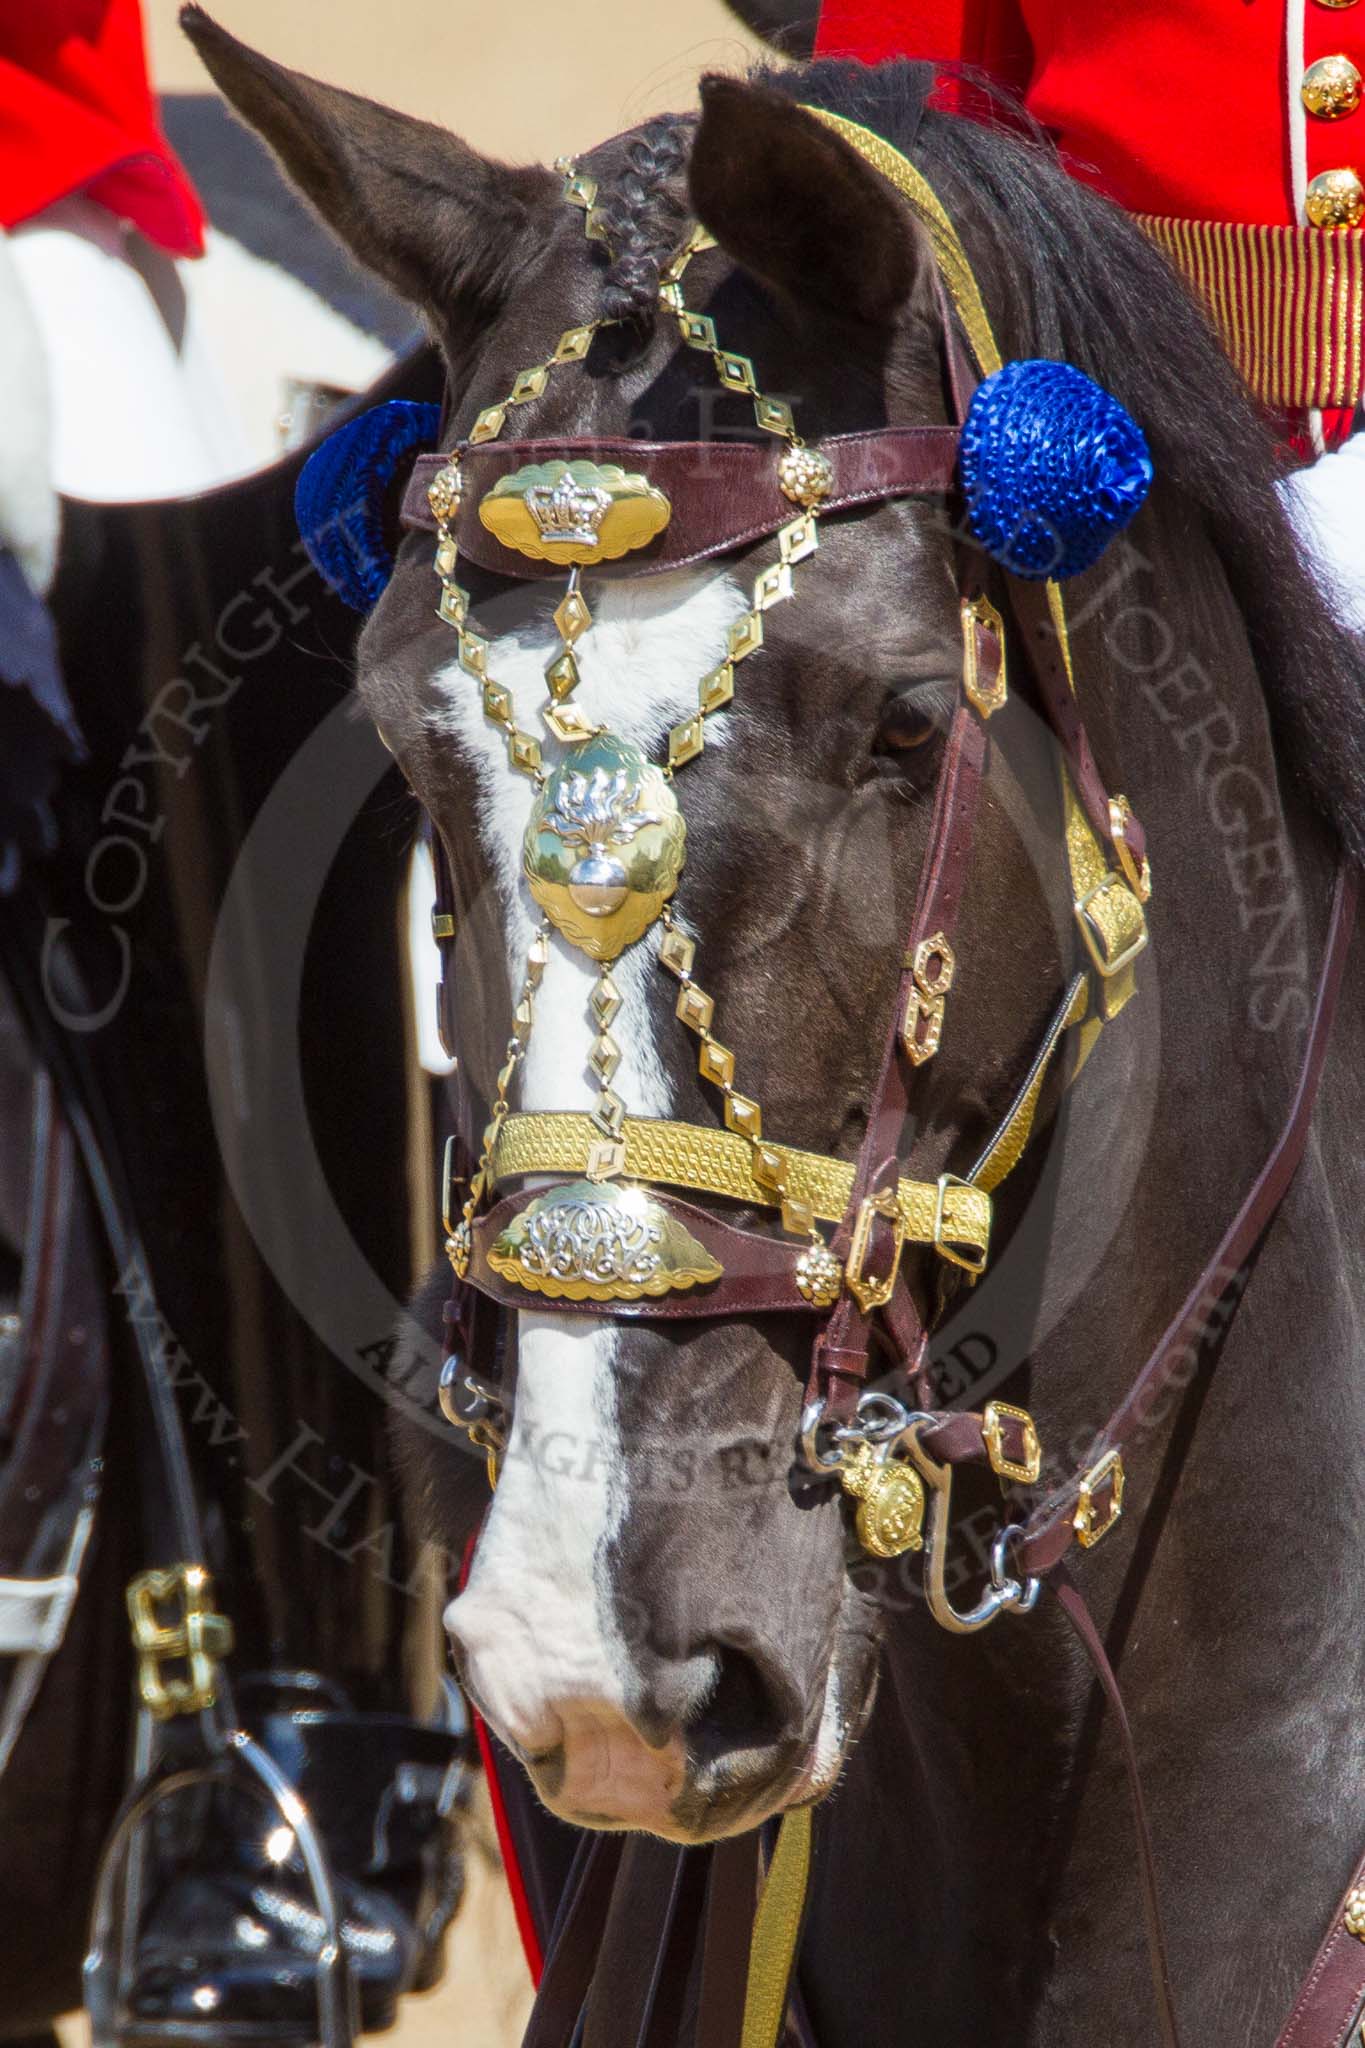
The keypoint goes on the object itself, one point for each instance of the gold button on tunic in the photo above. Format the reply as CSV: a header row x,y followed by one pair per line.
x,y
1331,88
1336,199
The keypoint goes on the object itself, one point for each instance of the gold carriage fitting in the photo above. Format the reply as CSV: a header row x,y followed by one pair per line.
x,y
192,1638
574,513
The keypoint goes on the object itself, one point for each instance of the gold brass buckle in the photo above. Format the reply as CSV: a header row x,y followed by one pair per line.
x,y
973,1262
984,698
198,1637
878,1290
1139,878
993,1436
1088,1529
1093,932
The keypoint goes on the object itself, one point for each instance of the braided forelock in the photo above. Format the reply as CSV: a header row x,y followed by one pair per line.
x,y
643,210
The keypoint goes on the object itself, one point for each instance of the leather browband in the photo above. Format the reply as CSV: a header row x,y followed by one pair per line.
x,y
724,494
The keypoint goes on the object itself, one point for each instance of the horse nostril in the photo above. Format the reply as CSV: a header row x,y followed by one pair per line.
x,y
742,1710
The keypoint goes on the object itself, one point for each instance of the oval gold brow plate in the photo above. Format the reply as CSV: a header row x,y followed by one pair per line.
x,y
574,513
608,1242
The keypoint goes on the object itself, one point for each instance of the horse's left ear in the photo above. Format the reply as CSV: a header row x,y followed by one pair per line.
x,y
787,198
441,224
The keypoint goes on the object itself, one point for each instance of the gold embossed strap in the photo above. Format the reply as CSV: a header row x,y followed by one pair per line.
x,y
717,1162
1289,303
777,1931
1007,1147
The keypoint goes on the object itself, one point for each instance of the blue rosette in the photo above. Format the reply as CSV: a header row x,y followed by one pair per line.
x,y
340,495
1052,467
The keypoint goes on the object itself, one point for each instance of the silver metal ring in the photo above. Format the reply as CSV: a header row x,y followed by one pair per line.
x,y
812,1421
1019,1599
878,1418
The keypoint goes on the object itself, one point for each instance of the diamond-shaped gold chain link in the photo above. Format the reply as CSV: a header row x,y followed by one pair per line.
x,y
797,541
460,1240
716,1064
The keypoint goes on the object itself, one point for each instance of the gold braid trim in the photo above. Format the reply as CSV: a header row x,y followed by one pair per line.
x,y
1289,303
715,1162
949,253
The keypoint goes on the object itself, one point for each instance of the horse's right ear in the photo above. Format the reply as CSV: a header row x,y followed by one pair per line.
x,y
417,206
793,202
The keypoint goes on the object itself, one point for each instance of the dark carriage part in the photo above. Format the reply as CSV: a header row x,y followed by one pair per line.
x,y
234,834
236,1942
54,1390
62,1745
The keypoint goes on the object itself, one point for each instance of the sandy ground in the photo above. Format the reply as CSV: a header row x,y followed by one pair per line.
x,y
485,1996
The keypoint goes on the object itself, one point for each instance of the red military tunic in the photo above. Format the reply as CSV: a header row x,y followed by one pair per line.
x,y
1235,129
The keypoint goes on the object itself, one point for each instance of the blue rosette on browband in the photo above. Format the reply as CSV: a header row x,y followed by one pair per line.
x,y
1052,468
340,496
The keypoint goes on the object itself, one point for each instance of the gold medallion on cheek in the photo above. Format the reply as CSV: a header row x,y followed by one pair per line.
x,y
604,846
890,1497
574,513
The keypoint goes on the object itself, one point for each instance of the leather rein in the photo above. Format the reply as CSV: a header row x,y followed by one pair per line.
x,y
895,1453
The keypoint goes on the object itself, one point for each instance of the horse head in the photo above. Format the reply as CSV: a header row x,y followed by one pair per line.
x,y
665,1618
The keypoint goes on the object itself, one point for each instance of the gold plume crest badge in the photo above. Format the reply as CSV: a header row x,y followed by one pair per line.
x,y
604,846
574,513
609,1242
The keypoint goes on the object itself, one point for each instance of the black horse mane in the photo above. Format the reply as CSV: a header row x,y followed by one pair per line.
x,y
1078,281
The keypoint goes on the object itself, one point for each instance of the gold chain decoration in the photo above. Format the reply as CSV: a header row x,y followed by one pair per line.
x,y
523,748
608,1156
716,1064
572,620
601,804
459,1242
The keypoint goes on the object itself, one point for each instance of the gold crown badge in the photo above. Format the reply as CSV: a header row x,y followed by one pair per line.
x,y
574,512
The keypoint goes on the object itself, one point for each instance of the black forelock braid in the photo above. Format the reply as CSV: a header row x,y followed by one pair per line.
x,y
644,209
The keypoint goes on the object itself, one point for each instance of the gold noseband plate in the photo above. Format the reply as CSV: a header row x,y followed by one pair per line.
x,y
574,513
600,1242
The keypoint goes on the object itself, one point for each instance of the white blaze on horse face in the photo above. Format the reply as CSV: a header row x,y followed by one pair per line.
x,y
537,1625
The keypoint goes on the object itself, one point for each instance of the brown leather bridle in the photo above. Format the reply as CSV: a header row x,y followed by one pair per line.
x,y
724,498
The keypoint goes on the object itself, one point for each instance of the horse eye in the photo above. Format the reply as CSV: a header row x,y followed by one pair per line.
x,y
909,720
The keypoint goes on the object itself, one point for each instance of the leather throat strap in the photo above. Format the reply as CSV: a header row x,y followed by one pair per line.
x,y
724,494
1051,1529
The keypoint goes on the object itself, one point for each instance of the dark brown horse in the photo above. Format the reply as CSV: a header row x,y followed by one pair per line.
x,y
664,1627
